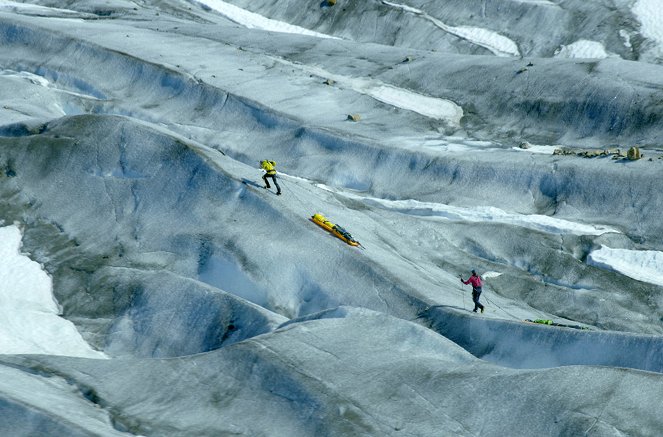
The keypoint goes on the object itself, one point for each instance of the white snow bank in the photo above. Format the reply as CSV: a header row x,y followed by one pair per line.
x,y
537,222
28,310
24,75
433,107
55,398
627,38
583,49
643,265
252,20
35,79
490,274
538,148
18,7
650,15
493,41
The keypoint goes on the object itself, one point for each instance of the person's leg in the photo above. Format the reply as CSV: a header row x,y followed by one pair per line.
x,y
477,303
475,299
276,184
264,178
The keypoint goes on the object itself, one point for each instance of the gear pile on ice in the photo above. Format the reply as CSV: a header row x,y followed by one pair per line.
x,y
551,323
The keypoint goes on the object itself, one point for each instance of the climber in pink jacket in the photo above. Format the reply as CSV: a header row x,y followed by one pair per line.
x,y
475,280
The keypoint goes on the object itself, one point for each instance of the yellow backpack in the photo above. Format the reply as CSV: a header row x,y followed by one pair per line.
x,y
268,166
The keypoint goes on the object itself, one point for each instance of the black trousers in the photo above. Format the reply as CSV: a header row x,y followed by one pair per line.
x,y
476,294
273,176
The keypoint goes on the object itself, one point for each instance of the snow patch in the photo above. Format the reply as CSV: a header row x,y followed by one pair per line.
x,y
490,274
650,15
20,7
643,265
538,148
583,49
252,20
36,79
627,38
24,75
493,41
30,315
491,214
433,107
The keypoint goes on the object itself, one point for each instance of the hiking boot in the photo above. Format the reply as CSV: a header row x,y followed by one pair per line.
x,y
474,311
278,193
481,310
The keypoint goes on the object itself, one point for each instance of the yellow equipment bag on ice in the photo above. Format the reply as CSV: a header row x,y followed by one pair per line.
x,y
336,230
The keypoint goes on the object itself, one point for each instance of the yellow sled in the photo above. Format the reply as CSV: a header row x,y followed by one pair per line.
x,y
336,230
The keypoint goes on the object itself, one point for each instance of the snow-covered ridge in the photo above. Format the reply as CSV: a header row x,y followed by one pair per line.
x,y
642,265
488,214
496,43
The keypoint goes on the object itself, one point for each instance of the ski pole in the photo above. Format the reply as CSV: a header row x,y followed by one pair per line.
x,y
462,291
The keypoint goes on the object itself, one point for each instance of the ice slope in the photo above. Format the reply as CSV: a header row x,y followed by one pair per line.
x,y
129,153
356,372
535,28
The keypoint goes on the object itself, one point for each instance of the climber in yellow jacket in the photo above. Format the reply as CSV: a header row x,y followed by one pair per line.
x,y
270,172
